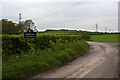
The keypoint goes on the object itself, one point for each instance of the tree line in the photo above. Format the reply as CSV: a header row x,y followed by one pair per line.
x,y
9,27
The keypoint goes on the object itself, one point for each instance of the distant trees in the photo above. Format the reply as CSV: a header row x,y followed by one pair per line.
x,y
9,27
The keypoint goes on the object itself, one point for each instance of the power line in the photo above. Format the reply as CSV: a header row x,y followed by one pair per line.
x,y
62,11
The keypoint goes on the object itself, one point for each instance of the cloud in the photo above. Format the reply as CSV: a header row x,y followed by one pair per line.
x,y
24,1
57,14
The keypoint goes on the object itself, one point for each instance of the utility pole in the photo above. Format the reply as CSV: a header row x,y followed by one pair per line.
x,y
20,22
20,18
96,27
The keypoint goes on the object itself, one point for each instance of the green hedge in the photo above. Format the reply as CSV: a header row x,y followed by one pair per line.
x,y
13,44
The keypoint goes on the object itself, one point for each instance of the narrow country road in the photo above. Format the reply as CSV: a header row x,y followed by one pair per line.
x,y
101,61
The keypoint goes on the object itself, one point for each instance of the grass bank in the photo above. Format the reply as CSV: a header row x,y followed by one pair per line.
x,y
105,38
28,64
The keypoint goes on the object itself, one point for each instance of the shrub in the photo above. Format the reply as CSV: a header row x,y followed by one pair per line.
x,y
27,65
13,44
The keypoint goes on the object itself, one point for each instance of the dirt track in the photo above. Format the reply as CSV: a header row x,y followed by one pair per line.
x,y
101,61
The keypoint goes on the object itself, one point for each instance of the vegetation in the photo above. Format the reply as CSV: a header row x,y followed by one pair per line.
x,y
53,33
65,31
24,58
9,27
43,41
52,51
106,38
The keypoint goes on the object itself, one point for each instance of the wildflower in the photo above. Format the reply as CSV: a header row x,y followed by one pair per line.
x,y
17,56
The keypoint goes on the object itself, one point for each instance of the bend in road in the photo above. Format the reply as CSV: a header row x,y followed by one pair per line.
x,y
101,61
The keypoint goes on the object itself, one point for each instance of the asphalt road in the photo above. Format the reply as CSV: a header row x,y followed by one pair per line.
x,y
101,61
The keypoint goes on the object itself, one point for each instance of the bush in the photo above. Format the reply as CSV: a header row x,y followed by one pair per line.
x,y
27,65
14,45
17,44
51,51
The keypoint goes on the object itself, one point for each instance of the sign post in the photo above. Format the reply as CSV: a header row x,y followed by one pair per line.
x,y
30,34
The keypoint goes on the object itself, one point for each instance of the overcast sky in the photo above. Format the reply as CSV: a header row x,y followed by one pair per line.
x,y
64,14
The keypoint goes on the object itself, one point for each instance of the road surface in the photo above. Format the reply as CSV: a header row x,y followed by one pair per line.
x,y
101,61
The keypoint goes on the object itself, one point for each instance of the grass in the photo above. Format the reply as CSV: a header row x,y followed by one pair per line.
x,y
105,38
30,64
52,33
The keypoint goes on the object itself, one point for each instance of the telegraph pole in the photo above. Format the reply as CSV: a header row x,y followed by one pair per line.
x,y
20,22
96,27
20,18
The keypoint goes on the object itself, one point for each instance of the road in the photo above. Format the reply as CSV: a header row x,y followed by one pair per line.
x,y
101,61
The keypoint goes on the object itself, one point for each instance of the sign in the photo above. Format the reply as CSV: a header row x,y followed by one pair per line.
x,y
30,34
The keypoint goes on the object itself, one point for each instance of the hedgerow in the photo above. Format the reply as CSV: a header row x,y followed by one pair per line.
x,y
18,44
52,50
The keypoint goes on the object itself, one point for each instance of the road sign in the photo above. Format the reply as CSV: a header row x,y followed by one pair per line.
x,y
30,34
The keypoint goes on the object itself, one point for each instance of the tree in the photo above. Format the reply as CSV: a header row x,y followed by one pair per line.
x,y
8,27
25,25
21,27
29,24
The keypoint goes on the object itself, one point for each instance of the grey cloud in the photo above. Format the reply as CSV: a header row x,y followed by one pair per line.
x,y
53,14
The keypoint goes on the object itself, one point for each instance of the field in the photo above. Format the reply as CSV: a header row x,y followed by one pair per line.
x,y
105,38
52,33
20,61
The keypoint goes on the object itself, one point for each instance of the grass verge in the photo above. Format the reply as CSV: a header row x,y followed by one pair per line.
x,y
27,65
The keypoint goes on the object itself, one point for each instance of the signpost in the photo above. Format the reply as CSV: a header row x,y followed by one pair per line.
x,y
30,34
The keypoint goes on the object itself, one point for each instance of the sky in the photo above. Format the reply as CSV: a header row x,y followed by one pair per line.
x,y
64,14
